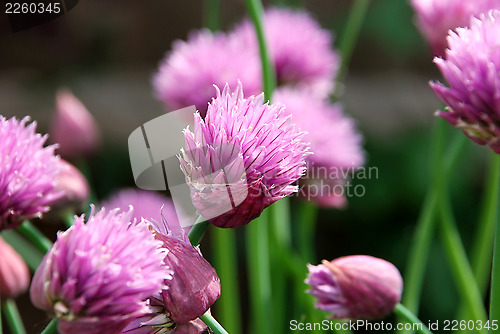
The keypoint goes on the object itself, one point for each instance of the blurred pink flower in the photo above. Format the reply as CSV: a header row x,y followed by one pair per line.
x,y
98,275
301,51
356,287
244,156
14,274
73,127
471,67
73,185
435,18
28,172
334,142
187,73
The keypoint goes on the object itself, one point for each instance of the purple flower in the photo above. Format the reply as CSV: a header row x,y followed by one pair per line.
x,y
73,127
27,172
14,274
190,293
333,139
187,73
356,287
471,68
147,204
436,17
300,49
97,276
242,158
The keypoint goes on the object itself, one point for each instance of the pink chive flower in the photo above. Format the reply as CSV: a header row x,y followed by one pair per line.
x,y
435,18
73,185
73,127
244,156
98,275
471,68
28,171
334,141
147,204
190,293
187,73
301,51
14,274
356,287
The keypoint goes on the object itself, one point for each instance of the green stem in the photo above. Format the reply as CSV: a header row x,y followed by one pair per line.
x,y
13,317
351,34
51,327
482,246
259,275
212,10
225,261
198,230
1,328
419,251
403,313
306,229
40,241
68,218
31,255
210,321
495,276
254,8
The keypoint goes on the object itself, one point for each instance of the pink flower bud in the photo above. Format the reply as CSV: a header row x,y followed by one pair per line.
x,y
73,127
356,287
73,185
14,274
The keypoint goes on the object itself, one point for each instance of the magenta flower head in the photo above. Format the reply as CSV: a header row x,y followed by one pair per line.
x,y
435,18
471,68
190,293
188,72
73,127
356,287
244,156
334,141
97,276
14,274
300,49
73,185
27,172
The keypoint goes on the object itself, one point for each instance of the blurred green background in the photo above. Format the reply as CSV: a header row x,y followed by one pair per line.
x,y
106,52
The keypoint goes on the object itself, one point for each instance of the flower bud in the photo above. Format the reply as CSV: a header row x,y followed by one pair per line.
x,y
356,287
14,274
73,127
73,185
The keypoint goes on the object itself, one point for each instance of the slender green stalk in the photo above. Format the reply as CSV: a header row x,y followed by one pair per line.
x,y
1,328
198,230
495,276
404,313
259,275
68,217
225,261
212,14
424,232
13,317
31,255
51,327
306,227
210,321
40,241
351,33
482,245
254,8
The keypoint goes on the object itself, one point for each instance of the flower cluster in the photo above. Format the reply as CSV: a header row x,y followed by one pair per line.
x,y
28,171
471,66
241,158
